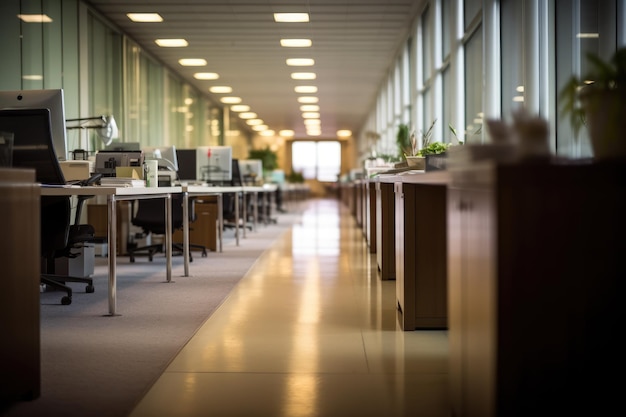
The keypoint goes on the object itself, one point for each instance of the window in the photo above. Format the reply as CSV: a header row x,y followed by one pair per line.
x,y
317,160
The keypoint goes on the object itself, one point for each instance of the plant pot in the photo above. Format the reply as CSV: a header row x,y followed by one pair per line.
x,y
605,114
436,162
416,162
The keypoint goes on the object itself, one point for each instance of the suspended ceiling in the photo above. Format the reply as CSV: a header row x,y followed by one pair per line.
x,y
354,44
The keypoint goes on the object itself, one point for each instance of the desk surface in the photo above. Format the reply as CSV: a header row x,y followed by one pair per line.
x,y
100,190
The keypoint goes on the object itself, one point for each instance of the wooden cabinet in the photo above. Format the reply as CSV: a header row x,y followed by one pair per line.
x,y
19,299
385,230
370,218
536,272
420,253
202,231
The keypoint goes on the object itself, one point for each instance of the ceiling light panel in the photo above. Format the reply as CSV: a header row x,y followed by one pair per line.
x,y
303,75
206,76
172,43
145,17
300,62
240,108
305,89
192,62
34,18
308,99
291,17
296,43
231,100
221,89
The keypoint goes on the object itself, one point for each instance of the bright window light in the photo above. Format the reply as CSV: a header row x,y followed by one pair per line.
x,y
171,43
192,62
295,43
144,17
291,17
221,89
303,75
300,62
305,89
34,18
206,76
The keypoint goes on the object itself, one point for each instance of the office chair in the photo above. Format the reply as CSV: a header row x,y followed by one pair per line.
x,y
33,148
150,216
228,201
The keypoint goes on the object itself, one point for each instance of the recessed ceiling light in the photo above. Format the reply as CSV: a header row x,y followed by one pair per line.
x,y
32,77
291,17
313,132
206,76
310,107
254,122
312,122
192,62
344,133
311,115
248,115
144,17
295,43
305,89
287,133
300,62
303,75
259,128
267,132
231,100
171,43
239,108
308,99
221,89
34,18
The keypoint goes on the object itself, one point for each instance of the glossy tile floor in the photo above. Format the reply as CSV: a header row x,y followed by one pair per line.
x,y
310,331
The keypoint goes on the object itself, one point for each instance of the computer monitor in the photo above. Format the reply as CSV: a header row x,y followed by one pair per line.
x,y
51,99
123,146
186,165
251,169
166,155
214,163
32,143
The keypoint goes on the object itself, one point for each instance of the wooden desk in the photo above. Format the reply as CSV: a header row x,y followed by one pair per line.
x,y
385,227
536,284
113,195
420,250
20,258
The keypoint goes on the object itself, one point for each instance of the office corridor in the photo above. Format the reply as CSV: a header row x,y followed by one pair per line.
x,y
310,331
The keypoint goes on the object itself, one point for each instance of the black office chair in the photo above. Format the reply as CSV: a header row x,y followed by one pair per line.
x,y
150,216
60,237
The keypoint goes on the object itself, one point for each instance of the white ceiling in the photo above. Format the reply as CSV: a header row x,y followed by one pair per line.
x,y
354,46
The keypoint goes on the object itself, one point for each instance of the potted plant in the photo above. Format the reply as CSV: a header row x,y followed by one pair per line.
x,y
267,156
598,100
413,155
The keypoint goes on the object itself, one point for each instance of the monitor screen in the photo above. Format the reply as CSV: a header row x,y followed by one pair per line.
x,y
42,99
32,143
214,163
186,165
166,155
251,169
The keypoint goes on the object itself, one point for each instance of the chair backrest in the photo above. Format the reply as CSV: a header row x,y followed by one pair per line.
x,y
32,142
237,177
150,214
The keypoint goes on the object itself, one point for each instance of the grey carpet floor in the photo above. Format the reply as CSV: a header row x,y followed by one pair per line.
x,y
93,365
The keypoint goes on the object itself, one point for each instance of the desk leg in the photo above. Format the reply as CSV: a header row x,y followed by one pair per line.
x,y
256,209
168,235
220,219
186,232
112,253
244,211
237,218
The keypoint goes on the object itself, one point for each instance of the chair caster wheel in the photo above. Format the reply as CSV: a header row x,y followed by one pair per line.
x,y
89,289
66,301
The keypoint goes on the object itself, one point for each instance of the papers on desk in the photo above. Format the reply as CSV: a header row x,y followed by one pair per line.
x,y
122,182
